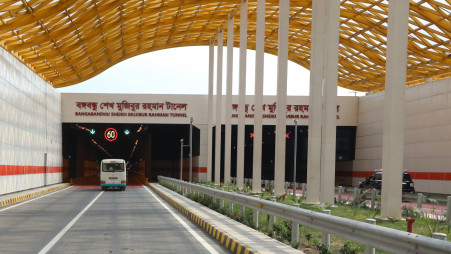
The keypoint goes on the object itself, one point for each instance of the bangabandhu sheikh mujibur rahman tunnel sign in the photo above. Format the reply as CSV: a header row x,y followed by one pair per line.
x,y
178,110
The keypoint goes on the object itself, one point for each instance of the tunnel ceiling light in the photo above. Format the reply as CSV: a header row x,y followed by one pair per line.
x,y
134,147
82,128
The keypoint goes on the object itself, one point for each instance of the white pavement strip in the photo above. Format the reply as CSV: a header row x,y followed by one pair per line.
x,y
31,200
188,228
68,226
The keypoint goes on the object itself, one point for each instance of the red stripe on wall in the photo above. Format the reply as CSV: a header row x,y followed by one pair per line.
x,y
439,176
199,170
26,170
431,176
54,169
419,175
362,174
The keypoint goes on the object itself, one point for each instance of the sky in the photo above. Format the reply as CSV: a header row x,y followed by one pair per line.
x,y
185,71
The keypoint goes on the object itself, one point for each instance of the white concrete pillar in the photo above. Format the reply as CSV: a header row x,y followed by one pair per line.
x,y
218,109
242,96
258,105
203,153
211,58
282,72
393,130
329,116
228,105
315,103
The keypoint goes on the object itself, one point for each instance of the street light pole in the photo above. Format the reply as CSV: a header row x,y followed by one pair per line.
x,y
295,155
191,149
181,158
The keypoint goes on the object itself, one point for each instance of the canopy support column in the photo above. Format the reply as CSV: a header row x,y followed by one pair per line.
x,y
393,131
258,105
211,58
242,96
281,120
228,105
315,103
218,109
329,116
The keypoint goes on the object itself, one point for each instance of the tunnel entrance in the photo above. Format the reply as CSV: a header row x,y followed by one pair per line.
x,y
149,149
345,152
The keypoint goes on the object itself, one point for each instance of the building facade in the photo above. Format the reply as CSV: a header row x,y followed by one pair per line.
x,y
32,113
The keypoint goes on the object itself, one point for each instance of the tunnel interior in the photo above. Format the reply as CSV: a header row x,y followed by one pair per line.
x,y
154,149
149,149
345,151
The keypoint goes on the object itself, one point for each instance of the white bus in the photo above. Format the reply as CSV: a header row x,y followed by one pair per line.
x,y
113,173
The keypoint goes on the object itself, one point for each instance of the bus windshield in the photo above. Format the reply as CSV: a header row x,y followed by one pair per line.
x,y
113,167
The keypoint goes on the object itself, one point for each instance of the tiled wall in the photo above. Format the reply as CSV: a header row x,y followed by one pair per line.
x,y
427,149
30,127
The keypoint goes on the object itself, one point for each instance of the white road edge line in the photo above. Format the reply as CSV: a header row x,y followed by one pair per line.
x,y
67,227
33,199
188,228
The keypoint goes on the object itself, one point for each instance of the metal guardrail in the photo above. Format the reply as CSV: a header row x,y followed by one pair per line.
x,y
378,237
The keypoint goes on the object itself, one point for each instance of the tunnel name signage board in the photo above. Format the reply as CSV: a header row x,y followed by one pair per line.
x,y
110,134
119,109
178,108
134,109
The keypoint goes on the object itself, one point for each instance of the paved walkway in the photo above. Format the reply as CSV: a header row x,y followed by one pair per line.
x,y
250,239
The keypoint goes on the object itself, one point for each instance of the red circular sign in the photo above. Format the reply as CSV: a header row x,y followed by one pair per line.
x,y
110,134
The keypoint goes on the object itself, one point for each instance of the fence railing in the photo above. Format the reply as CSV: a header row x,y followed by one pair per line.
x,y
372,236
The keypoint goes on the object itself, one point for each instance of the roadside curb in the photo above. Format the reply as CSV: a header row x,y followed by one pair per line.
x,y
18,199
224,238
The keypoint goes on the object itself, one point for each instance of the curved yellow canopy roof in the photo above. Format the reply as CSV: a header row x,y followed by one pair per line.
x,y
67,42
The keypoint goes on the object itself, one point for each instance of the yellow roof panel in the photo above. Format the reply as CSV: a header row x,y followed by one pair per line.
x,y
67,42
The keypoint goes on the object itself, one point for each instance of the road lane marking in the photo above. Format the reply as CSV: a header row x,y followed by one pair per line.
x,y
188,228
34,199
67,227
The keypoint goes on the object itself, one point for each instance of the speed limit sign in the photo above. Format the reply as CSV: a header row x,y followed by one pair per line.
x,y
110,134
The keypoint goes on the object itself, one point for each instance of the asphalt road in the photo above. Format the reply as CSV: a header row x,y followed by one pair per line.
x,y
88,220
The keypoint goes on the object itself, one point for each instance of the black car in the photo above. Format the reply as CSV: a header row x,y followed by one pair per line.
x,y
375,182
